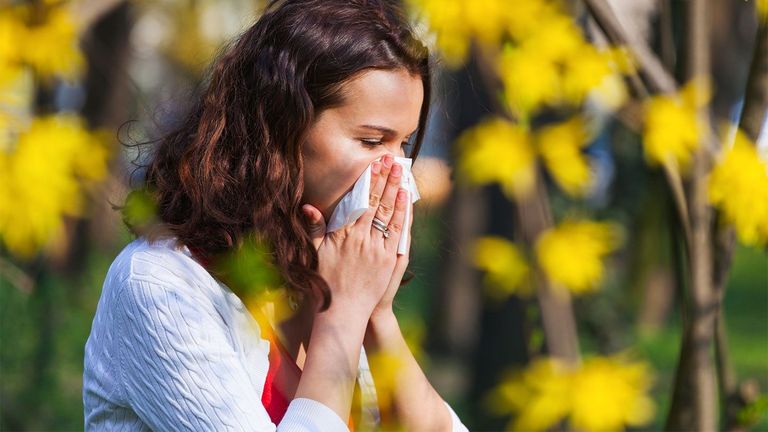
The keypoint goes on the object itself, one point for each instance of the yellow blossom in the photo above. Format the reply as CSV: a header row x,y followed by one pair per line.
x,y
526,18
572,253
556,38
530,80
498,151
672,129
610,393
268,307
42,180
12,31
738,187
386,367
539,396
51,47
457,22
602,394
585,69
504,265
762,9
560,147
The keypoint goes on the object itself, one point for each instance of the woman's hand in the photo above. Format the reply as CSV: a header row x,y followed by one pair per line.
x,y
357,261
379,182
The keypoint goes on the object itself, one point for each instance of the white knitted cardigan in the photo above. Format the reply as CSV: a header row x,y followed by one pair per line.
x,y
171,348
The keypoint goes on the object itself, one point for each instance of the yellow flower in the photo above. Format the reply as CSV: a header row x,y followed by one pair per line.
x,y
386,366
526,17
43,178
457,22
12,31
603,394
530,80
560,147
572,253
498,151
762,9
539,396
585,69
504,265
556,38
51,48
738,187
610,393
672,129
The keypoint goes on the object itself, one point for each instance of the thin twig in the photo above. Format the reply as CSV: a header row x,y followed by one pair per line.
x,y
16,276
658,78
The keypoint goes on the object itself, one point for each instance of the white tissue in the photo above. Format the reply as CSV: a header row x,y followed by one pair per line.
x,y
356,201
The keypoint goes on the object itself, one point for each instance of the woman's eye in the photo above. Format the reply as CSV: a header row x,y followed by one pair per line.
x,y
376,142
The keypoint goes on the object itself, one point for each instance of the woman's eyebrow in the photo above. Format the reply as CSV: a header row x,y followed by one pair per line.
x,y
385,130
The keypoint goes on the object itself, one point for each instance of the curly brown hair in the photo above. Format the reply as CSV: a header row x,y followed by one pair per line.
x,y
233,170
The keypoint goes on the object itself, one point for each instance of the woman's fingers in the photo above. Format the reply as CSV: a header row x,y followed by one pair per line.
x,y
379,173
387,204
316,223
397,221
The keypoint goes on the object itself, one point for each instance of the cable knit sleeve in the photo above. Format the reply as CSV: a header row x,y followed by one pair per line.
x,y
181,373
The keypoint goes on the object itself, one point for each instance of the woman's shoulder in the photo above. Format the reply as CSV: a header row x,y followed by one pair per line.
x,y
163,261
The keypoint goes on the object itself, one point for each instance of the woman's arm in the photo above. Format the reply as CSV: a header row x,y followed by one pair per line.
x,y
416,404
333,356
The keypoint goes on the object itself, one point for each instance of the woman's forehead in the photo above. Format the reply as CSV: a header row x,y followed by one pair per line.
x,y
390,99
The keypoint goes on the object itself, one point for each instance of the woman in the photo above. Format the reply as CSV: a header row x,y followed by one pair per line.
x,y
295,110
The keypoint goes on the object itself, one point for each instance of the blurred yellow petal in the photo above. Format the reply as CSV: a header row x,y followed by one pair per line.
x,y
572,254
504,265
530,80
556,38
610,393
497,151
539,396
761,6
672,128
560,147
585,69
42,181
51,47
738,187
526,18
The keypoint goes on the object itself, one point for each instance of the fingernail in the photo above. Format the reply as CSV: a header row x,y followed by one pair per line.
x,y
387,161
397,169
401,195
376,168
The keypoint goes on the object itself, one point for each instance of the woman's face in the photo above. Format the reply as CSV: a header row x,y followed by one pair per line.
x,y
382,108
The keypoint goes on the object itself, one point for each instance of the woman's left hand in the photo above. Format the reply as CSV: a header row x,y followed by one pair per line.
x,y
379,178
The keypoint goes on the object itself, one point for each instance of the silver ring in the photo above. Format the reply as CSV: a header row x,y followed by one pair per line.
x,y
381,226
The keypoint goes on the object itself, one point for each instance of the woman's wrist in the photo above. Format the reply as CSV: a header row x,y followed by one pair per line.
x,y
382,330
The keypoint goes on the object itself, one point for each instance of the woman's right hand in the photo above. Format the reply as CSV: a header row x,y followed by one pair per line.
x,y
356,260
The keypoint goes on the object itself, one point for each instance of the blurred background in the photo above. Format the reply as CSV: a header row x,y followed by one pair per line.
x,y
589,249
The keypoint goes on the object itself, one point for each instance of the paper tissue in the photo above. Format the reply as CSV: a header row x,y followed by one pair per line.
x,y
356,201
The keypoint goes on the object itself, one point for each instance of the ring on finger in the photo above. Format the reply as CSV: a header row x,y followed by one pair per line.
x,y
381,226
